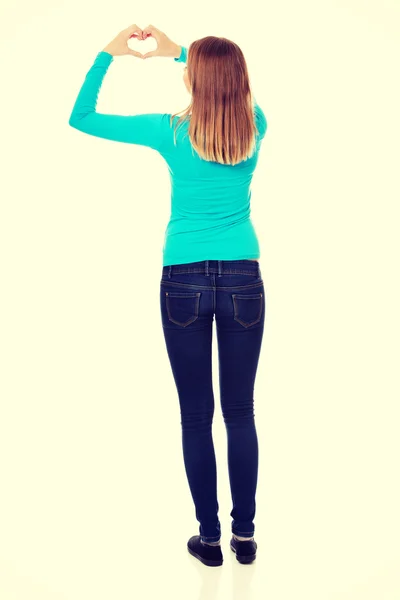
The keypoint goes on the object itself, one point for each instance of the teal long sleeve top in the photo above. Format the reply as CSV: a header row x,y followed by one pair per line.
x,y
210,202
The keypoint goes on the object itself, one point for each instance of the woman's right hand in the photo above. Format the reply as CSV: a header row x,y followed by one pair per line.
x,y
165,46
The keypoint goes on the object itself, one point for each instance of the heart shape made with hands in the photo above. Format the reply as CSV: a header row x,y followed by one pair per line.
x,y
137,44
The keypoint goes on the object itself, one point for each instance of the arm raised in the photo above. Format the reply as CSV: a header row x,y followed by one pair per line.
x,y
145,129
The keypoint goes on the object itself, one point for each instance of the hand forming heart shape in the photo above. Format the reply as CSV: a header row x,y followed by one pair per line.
x,y
119,45
144,42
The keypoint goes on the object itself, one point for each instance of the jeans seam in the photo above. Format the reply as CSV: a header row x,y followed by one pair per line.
x,y
210,287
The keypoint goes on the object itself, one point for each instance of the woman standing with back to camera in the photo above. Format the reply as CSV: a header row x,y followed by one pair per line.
x,y
210,262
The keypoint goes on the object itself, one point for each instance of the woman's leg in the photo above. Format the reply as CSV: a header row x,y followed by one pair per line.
x,y
187,319
240,315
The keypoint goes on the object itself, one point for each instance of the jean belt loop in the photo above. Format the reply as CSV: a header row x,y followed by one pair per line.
x,y
169,271
258,269
220,268
207,268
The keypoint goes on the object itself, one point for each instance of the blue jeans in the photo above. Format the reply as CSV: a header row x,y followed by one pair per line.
x,y
190,295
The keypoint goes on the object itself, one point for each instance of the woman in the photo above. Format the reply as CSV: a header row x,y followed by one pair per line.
x,y
210,262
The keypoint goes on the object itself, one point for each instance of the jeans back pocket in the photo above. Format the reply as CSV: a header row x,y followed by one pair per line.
x,y
182,307
247,308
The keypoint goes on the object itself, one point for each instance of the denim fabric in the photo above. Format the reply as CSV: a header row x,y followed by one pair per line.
x,y
190,295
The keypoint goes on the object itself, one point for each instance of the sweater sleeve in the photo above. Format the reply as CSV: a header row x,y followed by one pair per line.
x,y
145,129
183,55
258,111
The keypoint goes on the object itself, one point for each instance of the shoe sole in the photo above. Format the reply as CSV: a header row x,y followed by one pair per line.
x,y
244,560
205,561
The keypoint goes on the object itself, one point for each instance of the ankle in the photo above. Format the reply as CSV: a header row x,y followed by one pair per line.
x,y
212,543
243,539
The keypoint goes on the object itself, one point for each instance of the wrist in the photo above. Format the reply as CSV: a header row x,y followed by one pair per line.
x,y
109,50
177,51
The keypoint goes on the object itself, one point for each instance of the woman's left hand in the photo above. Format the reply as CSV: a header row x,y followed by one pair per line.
x,y
119,45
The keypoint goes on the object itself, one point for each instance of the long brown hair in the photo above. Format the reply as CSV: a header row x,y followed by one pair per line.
x,y
222,127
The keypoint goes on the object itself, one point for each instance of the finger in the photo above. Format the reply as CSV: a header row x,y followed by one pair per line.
x,y
134,31
134,53
133,28
149,54
151,30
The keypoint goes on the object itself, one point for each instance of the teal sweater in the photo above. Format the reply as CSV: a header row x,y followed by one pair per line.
x,y
210,202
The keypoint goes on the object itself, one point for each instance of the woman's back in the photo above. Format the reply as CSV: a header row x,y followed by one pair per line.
x,y
210,204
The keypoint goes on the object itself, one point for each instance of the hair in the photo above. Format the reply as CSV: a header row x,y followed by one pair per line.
x,y
222,127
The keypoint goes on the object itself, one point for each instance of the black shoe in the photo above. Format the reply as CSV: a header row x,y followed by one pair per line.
x,y
245,551
208,555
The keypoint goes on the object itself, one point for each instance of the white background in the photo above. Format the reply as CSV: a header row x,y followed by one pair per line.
x,y
94,500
